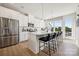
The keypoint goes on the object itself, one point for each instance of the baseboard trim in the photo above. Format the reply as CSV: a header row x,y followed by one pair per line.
x,y
31,51
23,41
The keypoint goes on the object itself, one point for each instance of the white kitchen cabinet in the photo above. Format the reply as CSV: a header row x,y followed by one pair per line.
x,y
24,36
37,22
23,20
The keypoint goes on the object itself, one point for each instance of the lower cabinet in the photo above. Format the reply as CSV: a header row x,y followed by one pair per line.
x,y
1,42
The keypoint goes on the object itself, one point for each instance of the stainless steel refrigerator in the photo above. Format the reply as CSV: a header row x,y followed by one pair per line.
x,y
9,32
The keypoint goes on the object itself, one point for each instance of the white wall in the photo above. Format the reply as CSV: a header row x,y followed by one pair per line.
x,y
77,29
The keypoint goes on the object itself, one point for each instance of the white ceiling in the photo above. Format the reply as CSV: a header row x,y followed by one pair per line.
x,y
49,10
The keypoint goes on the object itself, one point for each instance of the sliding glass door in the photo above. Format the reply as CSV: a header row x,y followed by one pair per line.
x,y
68,26
68,20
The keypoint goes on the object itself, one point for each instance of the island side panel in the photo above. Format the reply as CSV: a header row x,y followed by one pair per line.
x,y
33,43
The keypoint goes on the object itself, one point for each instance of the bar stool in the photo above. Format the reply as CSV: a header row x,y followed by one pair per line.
x,y
45,40
52,37
61,33
54,40
58,38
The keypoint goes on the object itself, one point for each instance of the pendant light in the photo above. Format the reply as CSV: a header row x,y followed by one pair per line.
x,y
42,8
42,14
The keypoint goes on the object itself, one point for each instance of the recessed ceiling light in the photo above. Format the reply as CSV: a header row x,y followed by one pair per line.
x,y
22,6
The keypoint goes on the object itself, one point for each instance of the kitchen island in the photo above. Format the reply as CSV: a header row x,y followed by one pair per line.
x,y
33,42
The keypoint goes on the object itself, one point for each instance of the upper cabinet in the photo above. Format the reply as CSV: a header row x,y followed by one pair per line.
x,y
23,20
38,23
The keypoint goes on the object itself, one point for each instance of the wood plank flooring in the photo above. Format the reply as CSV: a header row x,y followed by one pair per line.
x,y
65,49
16,50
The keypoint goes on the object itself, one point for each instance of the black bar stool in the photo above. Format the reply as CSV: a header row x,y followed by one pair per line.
x,y
45,40
60,36
58,39
52,37
54,41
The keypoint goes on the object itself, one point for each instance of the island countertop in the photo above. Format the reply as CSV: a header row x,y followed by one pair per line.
x,y
33,42
41,33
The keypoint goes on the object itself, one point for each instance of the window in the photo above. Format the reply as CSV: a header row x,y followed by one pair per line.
x,y
68,26
52,26
56,25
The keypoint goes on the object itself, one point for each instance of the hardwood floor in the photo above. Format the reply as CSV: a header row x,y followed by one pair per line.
x,y
65,49
16,50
